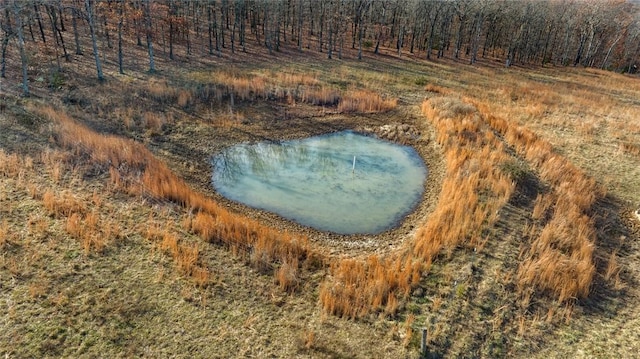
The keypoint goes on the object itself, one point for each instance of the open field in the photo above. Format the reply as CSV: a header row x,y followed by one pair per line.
x,y
113,242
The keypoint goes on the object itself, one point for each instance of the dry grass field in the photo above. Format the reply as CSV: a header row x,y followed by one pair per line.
x,y
113,243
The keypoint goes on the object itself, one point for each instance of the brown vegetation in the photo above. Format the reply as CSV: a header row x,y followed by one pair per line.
x,y
4,233
290,87
560,259
482,154
473,192
134,167
365,101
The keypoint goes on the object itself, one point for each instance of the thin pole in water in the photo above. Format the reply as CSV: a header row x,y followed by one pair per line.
x,y
353,169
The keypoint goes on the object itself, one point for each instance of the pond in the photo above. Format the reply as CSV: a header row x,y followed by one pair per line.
x,y
344,182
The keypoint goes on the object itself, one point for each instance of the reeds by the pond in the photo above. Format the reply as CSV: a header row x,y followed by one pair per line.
x,y
473,191
365,101
137,171
229,87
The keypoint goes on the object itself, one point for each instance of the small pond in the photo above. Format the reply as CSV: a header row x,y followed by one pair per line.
x,y
316,181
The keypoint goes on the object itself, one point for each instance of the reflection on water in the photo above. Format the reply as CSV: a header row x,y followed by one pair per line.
x,y
312,181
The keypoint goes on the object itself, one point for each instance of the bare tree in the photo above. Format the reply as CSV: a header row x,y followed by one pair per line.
x,y
17,14
149,32
478,21
52,11
75,14
299,26
36,9
434,10
121,6
8,33
92,29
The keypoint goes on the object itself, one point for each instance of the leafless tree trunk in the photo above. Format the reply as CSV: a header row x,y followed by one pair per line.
x,y
92,29
36,10
149,29
171,17
76,35
23,55
57,34
8,33
300,16
120,23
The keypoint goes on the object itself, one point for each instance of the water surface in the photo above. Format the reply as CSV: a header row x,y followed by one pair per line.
x,y
313,181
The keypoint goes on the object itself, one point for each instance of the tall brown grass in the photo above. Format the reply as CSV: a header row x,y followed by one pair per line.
x,y
360,287
4,233
161,91
631,148
474,188
473,191
63,205
285,86
365,101
408,330
323,96
138,171
560,259
93,233
184,255
154,122
287,276
437,89
292,79
10,164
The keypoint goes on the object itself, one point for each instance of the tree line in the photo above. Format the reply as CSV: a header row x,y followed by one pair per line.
x,y
603,34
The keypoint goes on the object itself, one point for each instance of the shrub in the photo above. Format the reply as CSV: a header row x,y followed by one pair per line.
x,y
516,170
323,96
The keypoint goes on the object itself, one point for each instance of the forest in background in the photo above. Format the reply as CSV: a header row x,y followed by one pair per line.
x,y
602,34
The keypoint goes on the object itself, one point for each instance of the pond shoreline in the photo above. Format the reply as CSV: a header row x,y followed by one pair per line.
x,y
189,147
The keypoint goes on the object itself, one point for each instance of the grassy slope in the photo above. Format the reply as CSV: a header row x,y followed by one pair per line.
x,y
131,300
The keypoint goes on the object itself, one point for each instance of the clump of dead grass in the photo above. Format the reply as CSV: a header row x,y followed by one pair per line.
x,y
4,233
358,288
323,96
161,91
365,101
10,164
63,205
287,276
630,148
154,122
437,89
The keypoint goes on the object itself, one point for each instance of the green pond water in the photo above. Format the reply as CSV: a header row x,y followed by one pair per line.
x,y
314,182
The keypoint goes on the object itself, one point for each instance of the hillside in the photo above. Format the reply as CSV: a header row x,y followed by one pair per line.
x,y
114,243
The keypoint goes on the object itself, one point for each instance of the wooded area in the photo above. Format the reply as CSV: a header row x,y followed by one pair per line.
x,y
603,34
